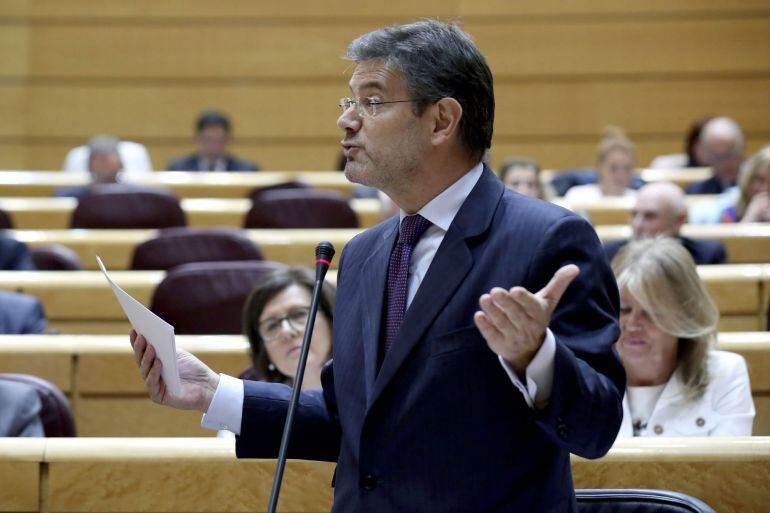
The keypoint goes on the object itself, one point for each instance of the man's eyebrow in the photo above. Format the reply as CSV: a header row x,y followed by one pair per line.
x,y
370,84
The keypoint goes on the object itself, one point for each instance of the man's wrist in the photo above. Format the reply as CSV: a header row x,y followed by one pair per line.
x,y
209,391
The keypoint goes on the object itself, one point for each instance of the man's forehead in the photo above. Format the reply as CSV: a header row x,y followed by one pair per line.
x,y
374,75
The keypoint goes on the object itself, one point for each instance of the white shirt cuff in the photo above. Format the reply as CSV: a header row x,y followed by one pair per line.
x,y
226,408
539,374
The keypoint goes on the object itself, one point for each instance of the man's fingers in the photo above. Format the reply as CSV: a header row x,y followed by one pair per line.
x,y
500,309
555,288
528,303
147,361
140,345
487,329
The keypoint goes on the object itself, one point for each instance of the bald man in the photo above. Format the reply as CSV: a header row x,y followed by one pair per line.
x,y
720,146
661,209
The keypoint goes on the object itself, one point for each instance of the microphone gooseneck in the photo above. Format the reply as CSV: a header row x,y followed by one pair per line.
x,y
324,252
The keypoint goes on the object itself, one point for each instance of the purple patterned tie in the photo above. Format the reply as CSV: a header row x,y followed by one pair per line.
x,y
412,228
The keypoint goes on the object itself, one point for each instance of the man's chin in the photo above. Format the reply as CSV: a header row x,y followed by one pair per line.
x,y
356,173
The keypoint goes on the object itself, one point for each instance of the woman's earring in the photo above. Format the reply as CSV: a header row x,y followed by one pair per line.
x,y
271,367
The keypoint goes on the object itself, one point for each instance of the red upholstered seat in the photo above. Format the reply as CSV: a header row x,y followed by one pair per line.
x,y
6,223
301,208
177,246
207,297
56,258
121,206
284,186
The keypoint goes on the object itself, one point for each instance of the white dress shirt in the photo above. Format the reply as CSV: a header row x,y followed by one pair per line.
x,y
227,405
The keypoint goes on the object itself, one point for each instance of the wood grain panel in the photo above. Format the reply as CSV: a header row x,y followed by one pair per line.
x,y
14,56
20,486
497,8
134,415
13,105
55,367
625,47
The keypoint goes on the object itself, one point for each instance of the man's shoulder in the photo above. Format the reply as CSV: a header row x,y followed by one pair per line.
x,y
184,163
705,252
238,164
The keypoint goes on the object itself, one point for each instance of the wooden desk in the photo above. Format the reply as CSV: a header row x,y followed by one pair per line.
x,y
681,177
182,184
84,475
293,247
745,243
81,301
99,375
36,213
614,210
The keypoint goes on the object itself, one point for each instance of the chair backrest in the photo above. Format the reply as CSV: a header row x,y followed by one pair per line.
x,y
6,223
637,501
207,297
55,257
121,206
284,186
55,413
177,246
301,208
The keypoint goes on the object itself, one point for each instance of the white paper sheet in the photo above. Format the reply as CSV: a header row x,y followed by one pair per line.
x,y
158,333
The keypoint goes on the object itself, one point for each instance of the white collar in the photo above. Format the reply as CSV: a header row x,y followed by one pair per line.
x,y
442,209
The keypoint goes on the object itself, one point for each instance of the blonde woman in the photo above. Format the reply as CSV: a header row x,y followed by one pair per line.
x,y
678,385
753,205
614,168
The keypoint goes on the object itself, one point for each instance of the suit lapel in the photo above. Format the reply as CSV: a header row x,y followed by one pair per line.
x,y
450,266
373,279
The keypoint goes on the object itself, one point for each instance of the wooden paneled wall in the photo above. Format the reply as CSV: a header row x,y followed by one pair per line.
x,y
143,70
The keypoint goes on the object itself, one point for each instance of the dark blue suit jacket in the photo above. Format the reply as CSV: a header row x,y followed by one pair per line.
x,y
704,252
20,314
14,255
440,426
708,186
190,163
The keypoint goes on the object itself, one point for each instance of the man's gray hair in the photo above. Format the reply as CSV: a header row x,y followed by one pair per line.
x,y
437,60
103,145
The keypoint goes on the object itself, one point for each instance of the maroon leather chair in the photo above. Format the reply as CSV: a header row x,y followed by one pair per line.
x,y
55,413
207,297
6,223
300,208
122,206
177,246
56,258
290,185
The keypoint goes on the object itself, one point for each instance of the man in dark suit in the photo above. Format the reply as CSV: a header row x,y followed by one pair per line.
x,y
661,210
212,137
446,392
14,255
19,410
20,314
720,146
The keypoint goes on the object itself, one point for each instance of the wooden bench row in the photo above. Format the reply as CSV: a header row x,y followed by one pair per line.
x,y
238,185
744,243
99,375
55,213
182,475
82,302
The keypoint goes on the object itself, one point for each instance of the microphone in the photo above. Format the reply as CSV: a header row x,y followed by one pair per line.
x,y
324,252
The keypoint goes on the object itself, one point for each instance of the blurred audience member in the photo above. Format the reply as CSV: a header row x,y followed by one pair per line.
x,y
661,209
689,157
753,205
274,320
19,410
14,255
20,314
678,385
104,165
614,167
213,135
133,157
522,175
719,146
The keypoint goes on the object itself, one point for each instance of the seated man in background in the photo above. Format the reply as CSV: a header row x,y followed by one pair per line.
x,y
212,137
20,314
19,410
133,156
661,210
104,166
720,146
14,255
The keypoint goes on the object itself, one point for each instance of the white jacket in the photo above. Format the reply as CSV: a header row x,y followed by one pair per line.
x,y
725,408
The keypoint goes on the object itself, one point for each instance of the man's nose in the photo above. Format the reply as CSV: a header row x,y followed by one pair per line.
x,y
349,120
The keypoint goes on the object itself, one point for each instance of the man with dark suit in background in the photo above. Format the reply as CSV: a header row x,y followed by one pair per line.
x,y
446,392
21,314
212,137
14,255
661,210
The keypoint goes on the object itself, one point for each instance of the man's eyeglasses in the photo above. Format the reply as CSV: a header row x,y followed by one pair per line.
x,y
270,328
369,107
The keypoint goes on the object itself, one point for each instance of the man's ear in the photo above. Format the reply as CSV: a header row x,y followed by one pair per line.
x,y
446,120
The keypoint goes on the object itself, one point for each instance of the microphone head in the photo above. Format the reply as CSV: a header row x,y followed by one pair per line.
x,y
324,251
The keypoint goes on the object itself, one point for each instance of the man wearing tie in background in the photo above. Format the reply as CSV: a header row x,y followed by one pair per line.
x,y
446,393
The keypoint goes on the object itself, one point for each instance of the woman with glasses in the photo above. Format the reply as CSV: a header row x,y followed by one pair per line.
x,y
677,383
274,320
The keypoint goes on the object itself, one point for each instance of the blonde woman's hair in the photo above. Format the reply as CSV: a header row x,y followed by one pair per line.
x,y
661,276
758,161
614,138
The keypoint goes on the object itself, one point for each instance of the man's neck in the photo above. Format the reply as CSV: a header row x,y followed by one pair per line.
x,y
432,181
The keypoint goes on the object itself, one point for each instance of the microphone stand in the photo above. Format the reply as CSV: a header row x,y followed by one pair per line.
x,y
324,252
